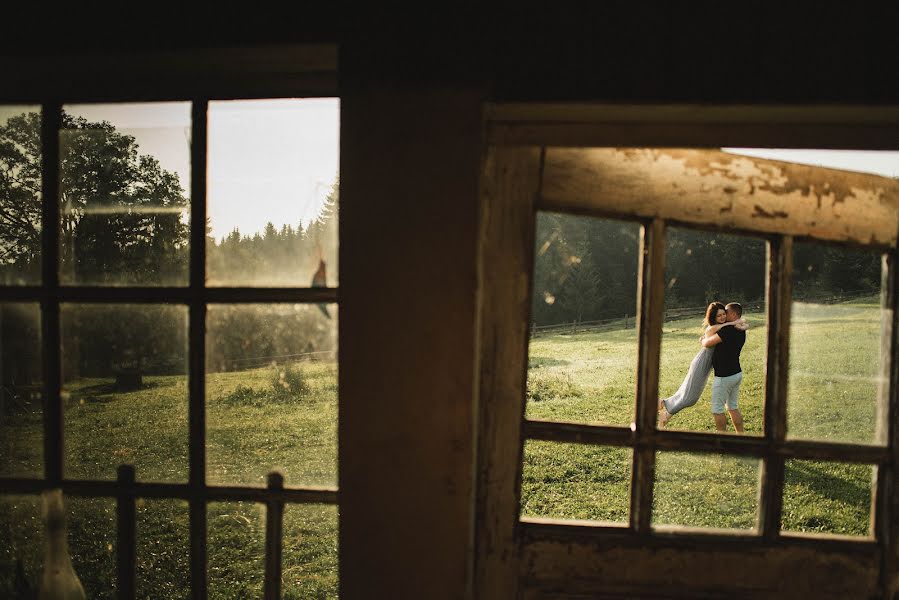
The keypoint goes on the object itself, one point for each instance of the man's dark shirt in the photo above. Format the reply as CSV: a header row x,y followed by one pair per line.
x,y
726,359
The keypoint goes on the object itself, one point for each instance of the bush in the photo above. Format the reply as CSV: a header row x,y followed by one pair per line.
x,y
289,383
541,388
243,395
286,384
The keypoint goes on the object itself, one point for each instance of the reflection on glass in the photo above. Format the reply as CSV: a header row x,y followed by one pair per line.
x,y
22,532
124,181
20,195
236,549
124,390
835,344
310,551
273,192
582,354
93,544
271,390
21,409
575,481
700,386
163,549
706,490
827,497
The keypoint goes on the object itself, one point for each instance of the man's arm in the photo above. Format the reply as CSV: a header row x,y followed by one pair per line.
x,y
712,340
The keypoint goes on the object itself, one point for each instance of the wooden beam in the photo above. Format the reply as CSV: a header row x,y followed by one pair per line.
x,y
634,566
693,125
408,361
510,182
689,114
711,187
265,71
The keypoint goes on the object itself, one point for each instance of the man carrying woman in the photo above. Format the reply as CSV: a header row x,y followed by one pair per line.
x,y
722,341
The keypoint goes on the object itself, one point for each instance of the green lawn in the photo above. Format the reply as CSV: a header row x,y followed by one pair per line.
x,y
258,420
589,378
252,427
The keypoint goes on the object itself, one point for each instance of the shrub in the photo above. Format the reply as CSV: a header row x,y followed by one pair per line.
x,y
548,387
289,383
243,395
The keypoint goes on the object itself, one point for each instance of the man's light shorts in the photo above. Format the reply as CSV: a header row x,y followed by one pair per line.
x,y
725,391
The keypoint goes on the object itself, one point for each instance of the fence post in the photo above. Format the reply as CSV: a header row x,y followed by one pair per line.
x,y
625,320
533,328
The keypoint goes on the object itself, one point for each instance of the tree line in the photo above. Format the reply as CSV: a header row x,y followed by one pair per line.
x,y
586,269
123,221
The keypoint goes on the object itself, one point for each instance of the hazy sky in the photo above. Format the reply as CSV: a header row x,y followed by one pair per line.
x,y
269,160
276,160
864,161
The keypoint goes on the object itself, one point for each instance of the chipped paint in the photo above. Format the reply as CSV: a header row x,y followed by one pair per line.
x,y
711,187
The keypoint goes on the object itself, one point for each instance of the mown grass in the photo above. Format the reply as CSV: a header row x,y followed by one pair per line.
x,y
589,378
289,424
253,427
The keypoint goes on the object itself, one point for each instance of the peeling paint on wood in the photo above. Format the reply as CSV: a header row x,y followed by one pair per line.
x,y
510,184
711,187
682,571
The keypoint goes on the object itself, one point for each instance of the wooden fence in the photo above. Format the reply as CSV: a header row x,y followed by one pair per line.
x,y
672,314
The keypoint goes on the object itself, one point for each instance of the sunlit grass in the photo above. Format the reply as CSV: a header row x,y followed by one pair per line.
x,y
590,378
586,377
247,437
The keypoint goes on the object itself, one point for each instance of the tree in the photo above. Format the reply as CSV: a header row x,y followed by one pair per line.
x,y
581,292
20,198
121,213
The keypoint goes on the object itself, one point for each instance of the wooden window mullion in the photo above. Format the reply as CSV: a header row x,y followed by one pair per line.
x,y
651,298
885,496
51,122
127,533
197,350
155,295
274,533
778,302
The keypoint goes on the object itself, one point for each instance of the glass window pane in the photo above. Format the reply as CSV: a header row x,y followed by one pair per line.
x,y
236,550
93,544
706,490
309,567
21,408
273,206
22,535
20,195
124,194
271,393
124,390
699,386
827,497
582,356
163,549
576,481
835,344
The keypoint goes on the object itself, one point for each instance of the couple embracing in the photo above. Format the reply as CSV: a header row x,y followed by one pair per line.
x,y
722,341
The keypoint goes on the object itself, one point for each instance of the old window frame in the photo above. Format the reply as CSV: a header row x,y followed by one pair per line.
x,y
196,76
534,557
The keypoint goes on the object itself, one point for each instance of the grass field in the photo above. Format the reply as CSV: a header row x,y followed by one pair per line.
x,y
589,378
258,420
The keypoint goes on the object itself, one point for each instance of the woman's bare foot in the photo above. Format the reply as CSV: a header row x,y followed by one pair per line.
x,y
664,415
